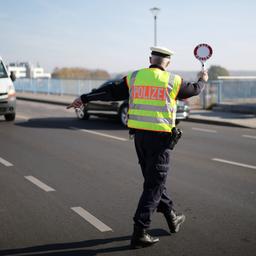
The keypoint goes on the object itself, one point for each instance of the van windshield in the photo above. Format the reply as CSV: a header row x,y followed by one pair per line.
x,y
3,73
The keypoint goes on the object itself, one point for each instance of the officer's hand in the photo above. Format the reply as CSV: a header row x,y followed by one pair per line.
x,y
203,75
76,103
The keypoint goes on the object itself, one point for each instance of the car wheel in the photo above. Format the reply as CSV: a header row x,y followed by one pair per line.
x,y
81,114
86,117
123,115
9,117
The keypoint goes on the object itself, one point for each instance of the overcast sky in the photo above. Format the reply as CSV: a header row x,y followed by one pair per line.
x,y
115,35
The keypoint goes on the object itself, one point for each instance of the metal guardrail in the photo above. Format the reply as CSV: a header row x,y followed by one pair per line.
x,y
229,91
56,86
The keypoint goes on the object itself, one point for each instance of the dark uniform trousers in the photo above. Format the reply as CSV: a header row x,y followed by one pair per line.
x,y
154,159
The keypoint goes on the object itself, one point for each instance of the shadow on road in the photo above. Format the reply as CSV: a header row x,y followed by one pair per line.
x,y
66,123
79,248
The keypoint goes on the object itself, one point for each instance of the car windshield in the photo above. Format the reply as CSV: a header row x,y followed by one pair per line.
x,y
3,73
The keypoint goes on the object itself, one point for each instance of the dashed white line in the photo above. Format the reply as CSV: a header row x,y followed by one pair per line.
x,y
91,219
203,130
39,183
249,136
234,163
5,163
101,134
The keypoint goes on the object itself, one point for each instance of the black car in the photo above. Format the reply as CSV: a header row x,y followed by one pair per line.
x,y
120,108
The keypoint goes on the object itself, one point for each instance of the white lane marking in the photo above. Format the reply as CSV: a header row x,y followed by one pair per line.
x,y
39,183
101,134
249,136
203,130
234,163
91,219
5,163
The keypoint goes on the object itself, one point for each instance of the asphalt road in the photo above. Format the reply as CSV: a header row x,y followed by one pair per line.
x,y
70,187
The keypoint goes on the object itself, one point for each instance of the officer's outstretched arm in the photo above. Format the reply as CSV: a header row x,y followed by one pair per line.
x,y
111,92
102,93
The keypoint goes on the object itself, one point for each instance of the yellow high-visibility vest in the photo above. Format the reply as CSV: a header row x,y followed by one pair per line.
x,y
152,100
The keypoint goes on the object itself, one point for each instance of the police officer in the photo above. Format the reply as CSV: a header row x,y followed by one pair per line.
x,y
152,94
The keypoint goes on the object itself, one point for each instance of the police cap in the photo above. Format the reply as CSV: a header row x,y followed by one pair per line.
x,y
161,51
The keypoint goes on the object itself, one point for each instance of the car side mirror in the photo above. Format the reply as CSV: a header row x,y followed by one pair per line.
x,y
94,89
12,76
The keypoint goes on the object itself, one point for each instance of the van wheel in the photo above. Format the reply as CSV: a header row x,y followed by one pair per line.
x,y
123,115
9,117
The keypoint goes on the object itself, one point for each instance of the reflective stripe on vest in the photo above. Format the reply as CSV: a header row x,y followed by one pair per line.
x,y
152,101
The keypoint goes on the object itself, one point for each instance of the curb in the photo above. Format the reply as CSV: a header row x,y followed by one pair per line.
x,y
221,123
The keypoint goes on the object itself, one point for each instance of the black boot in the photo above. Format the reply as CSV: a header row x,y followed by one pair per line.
x,y
140,238
174,221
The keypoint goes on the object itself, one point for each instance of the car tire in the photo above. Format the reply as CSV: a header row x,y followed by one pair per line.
x,y
81,114
123,115
85,117
9,117
177,122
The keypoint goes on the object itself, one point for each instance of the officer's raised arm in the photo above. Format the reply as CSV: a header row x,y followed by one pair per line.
x,y
189,89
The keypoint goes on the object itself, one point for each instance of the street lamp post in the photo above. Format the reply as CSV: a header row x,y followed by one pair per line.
x,y
155,11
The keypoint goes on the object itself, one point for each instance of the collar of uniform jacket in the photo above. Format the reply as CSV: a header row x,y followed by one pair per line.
x,y
157,66
151,66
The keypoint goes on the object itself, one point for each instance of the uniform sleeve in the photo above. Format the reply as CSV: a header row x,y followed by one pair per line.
x,y
121,92
114,91
189,89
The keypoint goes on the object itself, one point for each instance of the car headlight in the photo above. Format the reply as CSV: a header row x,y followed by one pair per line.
x,y
11,91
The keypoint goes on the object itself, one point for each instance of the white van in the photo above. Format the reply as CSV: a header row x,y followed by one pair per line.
x,y
7,93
